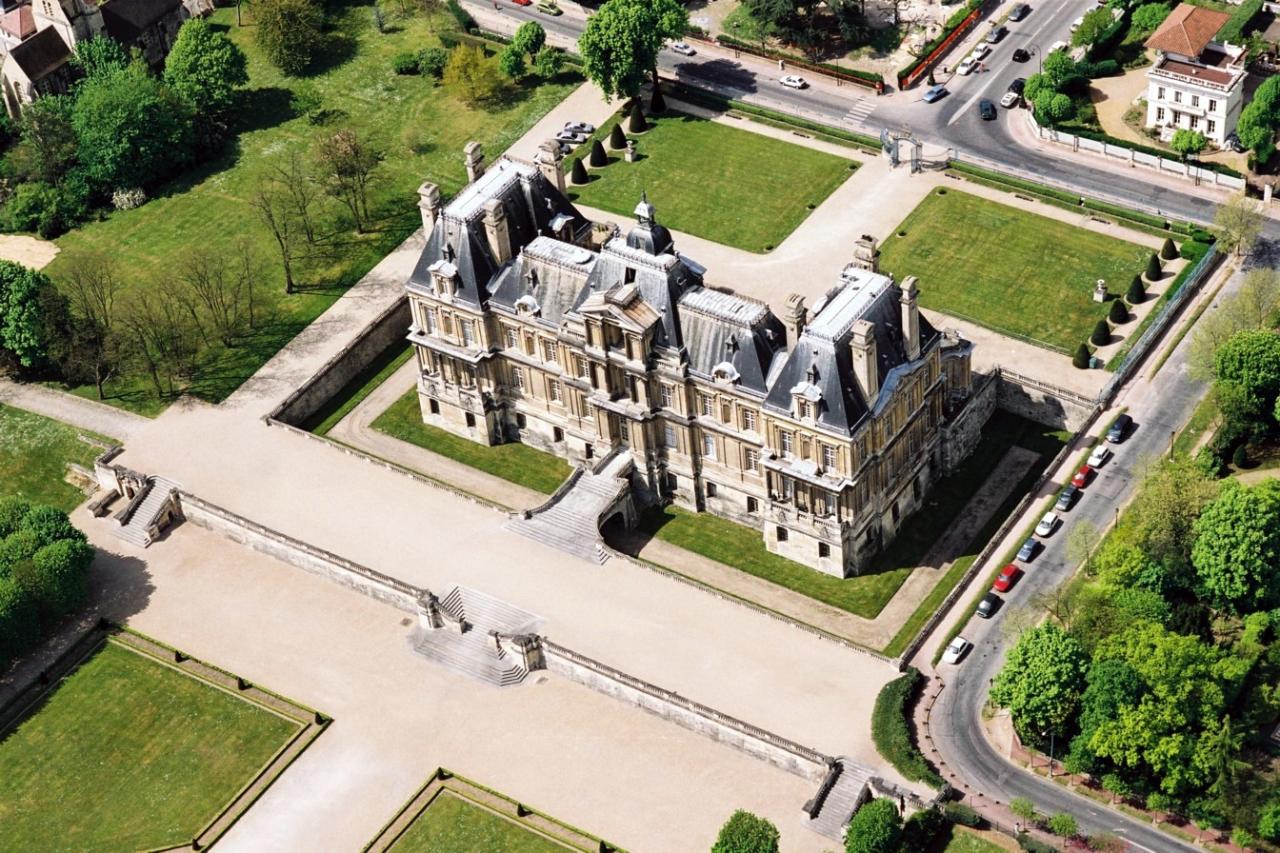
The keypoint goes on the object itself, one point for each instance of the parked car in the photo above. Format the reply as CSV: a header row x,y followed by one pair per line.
x,y
996,34
982,51
548,8
935,93
793,81
579,127
1057,46
571,136
1232,143
989,604
1119,429
1010,100
1082,477
956,649
1007,578
523,2
1048,524
1027,552
1099,456
683,49
1019,12
1018,85
1067,498
1075,25
1021,55
966,66
987,110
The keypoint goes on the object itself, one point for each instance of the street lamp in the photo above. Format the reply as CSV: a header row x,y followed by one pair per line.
x,y
1050,734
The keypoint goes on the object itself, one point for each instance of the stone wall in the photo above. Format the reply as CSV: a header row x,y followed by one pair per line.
x,y
961,435
1043,403
790,756
385,329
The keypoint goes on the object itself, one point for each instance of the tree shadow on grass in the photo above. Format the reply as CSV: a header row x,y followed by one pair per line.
x,y
338,49
264,107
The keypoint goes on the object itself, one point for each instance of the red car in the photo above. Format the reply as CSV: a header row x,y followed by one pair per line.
x,y
523,2
1082,477
1008,577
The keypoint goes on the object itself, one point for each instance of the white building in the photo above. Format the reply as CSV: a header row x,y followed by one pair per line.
x,y
1196,83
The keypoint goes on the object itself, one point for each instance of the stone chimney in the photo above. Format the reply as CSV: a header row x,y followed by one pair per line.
x,y
473,156
550,162
865,254
796,317
862,346
496,230
910,318
429,204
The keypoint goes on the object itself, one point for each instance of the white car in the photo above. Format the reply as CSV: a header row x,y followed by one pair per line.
x,y
1099,456
1048,524
966,65
579,127
1057,46
1010,100
793,81
982,51
955,650
571,136
1075,25
683,49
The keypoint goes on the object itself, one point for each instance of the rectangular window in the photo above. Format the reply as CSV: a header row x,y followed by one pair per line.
x,y
624,430
553,391
1159,113
471,420
753,505
468,333
824,550
749,420
1213,105
1177,97
751,460
1195,100
708,405
512,338
434,406
782,534
557,435
517,378
521,422
802,410
669,437
828,457
550,350
726,412
1195,122
788,439
1211,126
709,446
1160,93
581,368
788,488
665,396
711,490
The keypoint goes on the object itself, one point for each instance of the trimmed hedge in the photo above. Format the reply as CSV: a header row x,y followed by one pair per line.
x,y
953,23
1233,31
892,734
963,815
800,61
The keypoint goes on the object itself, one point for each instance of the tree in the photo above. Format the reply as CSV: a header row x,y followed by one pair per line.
x,y
578,172
1256,126
289,32
1217,753
1059,68
159,335
1161,520
1036,84
1081,541
1093,26
300,191
1101,334
1237,549
34,320
1247,381
214,291
273,206
1136,294
1023,808
635,121
1238,223
548,63
1269,822
597,157
345,164
1053,107
1253,306
511,62
875,828
744,832
1154,270
617,140
433,60
13,508
19,620
1081,358
100,56
1041,680
622,41
205,68
472,76
46,147
90,281
1148,17
60,570
1063,824
1118,313
132,130
1168,251
529,38
1188,142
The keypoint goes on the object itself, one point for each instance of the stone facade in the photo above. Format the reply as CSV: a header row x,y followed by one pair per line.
x,y
823,429
1195,83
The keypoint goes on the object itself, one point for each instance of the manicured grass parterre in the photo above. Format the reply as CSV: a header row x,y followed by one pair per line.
x,y
519,463
417,126
958,839
34,451
452,824
866,595
129,754
1008,269
714,181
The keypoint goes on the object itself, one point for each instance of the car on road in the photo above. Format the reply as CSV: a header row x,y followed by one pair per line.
x,y
1007,578
1075,25
1027,552
1021,55
956,649
1048,524
794,81
1019,12
966,65
1082,477
1057,46
1119,429
1010,100
996,34
548,8
1018,85
571,136
1099,456
989,604
523,2
987,110
579,127
982,51
1067,498
935,93
682,48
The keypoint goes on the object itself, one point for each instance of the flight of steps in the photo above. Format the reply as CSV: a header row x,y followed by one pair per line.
x,y
572,523
472,652
136,530
841,801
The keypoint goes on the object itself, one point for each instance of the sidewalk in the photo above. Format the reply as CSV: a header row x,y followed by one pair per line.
x,y
90,415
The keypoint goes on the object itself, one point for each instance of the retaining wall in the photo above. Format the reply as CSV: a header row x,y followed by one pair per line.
x,y
961,436
1043,403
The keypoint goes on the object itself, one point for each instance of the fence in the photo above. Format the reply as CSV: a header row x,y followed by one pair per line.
x,y
923,66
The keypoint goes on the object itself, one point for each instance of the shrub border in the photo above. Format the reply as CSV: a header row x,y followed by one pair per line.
x,y
891,731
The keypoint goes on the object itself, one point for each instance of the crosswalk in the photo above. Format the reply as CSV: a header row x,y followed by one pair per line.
x,y
861,110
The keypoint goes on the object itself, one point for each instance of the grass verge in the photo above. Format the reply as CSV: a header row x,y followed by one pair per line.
x,y
454,824
891,729
34,452
360,387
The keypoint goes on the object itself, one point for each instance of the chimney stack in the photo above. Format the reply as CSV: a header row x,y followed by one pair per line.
x,y
497,231
429,204
865,254
862,346
550,162
910,318
796,318
473,156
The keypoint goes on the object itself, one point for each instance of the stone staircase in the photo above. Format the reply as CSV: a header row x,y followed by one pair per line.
x,y
570,521
841,800
465,646
136,529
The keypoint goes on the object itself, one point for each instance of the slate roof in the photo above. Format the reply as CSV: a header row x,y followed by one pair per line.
x,y
126,20
721,329
1187,30
42,54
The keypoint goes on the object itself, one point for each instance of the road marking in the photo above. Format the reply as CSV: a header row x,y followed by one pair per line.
x,y
860,111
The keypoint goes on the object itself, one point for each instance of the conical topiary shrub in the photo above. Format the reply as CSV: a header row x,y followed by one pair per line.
x,y
617,140
1154,269
1101,334
578,174
1118,313
598,157
1081,358
1136,293
1168,251
1240,458
636,122
657,104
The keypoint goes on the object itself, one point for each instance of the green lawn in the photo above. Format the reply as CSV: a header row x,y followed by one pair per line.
x,y
129,754
417,126
866,595
1008,269
34,451
451,824
519,463
361,386
714,181
960,840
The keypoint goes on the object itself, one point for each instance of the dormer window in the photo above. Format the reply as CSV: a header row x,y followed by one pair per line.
x,y
804,410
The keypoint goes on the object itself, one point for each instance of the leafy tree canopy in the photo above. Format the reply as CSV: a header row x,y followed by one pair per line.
x,y
34,317
529,38
745,832
875,828
1149,16
1237,550
1041,680
621,42
1093,27
205,67
289,32
100,56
